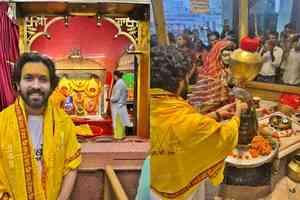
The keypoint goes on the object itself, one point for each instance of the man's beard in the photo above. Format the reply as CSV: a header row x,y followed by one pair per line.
x,y
35,104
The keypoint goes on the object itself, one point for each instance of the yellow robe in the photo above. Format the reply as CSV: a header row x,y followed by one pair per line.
x,y
20,176
186,147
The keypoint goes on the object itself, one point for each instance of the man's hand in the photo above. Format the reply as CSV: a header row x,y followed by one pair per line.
x,y
226,111
229,110
67,185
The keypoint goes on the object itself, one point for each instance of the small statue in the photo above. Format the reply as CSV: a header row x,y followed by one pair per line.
x,y
80,110
69,106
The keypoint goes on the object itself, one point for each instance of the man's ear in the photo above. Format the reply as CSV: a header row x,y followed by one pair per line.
x,y
17,87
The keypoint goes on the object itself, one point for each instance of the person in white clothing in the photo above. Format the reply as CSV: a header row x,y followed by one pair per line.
x,y
272,56
118,100
291,63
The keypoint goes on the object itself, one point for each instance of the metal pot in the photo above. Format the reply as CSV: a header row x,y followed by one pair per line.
x,y
294,169
245,65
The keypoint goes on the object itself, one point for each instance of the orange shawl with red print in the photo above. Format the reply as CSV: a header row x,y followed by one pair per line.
x,y
212,65
210,88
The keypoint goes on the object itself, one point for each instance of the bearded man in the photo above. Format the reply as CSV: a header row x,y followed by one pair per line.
x,y
39,152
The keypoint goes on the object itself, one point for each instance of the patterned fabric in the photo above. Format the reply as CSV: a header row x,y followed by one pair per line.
x,y
211,87
20,176
213,66
208,91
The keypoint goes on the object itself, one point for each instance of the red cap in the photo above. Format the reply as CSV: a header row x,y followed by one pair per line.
x,y
250,44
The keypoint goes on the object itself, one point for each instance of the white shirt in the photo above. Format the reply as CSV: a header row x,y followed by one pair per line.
x,y
35,126
119,101
119,93
269,67
291,66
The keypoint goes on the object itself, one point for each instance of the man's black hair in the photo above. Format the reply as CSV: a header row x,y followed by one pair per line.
x,y
172,38
35,58
153,40
275,33
118,74
215,33
186,37
169,65
290,26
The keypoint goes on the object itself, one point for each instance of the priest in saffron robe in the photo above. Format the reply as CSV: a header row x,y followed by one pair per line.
x,y
186,146
39,152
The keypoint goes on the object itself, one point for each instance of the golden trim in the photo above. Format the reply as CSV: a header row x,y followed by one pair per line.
x,y
22,45
211,172
120,32
31,23
52,21
44,176
26,152
243,18
84,14
270,91
143,82
73,157
160,24
45,32
131,25
273,87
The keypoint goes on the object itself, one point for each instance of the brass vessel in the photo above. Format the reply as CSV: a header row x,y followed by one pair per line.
x,y
294,169
245,65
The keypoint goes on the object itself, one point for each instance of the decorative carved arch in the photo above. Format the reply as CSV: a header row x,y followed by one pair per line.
x,y
55,19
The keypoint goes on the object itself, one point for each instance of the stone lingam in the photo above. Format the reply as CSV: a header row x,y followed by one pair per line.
x,y
245,65
241,174
249,125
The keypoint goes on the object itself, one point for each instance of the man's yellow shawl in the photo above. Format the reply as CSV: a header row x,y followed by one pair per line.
x,y
20,176
186,147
